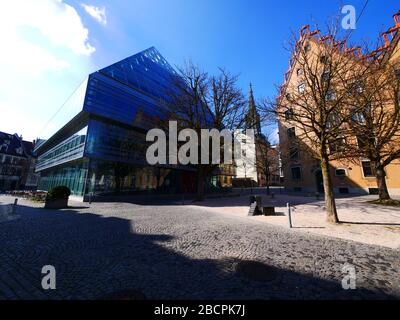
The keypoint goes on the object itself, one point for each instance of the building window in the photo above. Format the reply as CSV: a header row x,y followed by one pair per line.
x,y
397,73
365,142
325,76
291,133
358,117
289,114
356,87
323,59
361,142
243,153
301,88
299,71
244,141
307,47
359,86
368,169
330,95
294,154
333,120
339,172
296,173
338,145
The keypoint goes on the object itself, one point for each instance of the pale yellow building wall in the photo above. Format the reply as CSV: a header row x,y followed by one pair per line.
x,y
354,180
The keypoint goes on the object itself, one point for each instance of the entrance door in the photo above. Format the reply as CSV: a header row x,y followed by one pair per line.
x,y
319,181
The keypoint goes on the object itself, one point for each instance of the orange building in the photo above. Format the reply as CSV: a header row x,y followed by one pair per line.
x,y
302,171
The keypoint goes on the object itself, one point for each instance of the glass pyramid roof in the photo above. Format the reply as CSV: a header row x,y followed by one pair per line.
x,y
146,71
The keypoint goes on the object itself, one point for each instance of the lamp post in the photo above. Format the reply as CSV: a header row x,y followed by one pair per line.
x,y
245,176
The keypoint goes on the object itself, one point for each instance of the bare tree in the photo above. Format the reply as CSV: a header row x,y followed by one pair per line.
x,y
313,101
376,120
200,101
266,162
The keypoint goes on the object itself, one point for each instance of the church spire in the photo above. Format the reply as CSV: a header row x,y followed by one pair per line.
x,y
252,117
252,105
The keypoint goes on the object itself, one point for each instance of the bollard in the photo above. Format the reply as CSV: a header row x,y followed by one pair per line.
x,y
289,215
90,197
272,195
14,209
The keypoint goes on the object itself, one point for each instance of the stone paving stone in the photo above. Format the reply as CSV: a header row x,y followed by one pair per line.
x,y
171,252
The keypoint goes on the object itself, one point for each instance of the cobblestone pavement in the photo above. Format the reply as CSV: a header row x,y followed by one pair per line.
x,y
171,252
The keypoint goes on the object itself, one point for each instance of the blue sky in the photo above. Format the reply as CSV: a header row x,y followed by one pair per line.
x,y
51,45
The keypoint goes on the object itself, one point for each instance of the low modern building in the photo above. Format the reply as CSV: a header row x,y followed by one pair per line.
x,y
101,148
16,163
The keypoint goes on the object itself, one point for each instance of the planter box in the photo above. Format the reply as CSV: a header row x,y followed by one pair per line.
x,y
56,204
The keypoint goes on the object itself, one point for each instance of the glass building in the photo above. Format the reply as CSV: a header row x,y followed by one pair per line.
x,y
100,148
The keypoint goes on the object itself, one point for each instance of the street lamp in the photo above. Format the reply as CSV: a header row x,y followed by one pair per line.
x,y
245,176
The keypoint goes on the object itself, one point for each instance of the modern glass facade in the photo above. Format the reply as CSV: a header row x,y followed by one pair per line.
x,y
101,150
70,149
112,177
73,175
115,143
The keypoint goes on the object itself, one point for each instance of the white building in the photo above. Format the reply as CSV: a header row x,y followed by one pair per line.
x,y
246,164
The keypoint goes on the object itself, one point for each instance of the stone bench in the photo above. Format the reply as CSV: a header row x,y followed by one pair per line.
x,y
256,207
269,211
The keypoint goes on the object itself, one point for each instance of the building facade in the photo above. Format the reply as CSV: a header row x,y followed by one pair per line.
x,y
302,170
17,163
101,149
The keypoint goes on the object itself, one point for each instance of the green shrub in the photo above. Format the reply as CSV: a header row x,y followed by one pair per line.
x,y
59,192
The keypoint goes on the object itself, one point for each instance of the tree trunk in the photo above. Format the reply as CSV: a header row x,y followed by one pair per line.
x,y
267,176
381,181
200,184
330,204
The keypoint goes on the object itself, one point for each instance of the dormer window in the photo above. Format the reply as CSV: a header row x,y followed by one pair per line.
x,y
289,114
330,95
325,76
301,88
291,132
323,59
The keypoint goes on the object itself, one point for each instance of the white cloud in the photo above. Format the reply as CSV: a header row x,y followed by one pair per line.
x,y
97,13
56,21
28,58
40,38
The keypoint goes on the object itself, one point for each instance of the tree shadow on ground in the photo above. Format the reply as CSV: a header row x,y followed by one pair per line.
x,y
370,223
97,256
